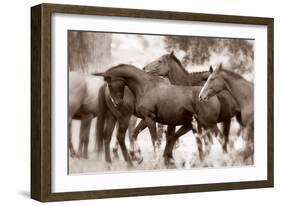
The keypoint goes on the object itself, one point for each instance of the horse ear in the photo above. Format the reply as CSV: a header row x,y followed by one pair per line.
x,y
211,69
172,53
107,78
220,67
101,74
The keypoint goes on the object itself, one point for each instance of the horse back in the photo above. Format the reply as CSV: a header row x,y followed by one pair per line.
x,y
77,92
90,102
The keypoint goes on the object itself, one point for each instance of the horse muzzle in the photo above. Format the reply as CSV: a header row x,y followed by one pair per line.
x,y
203,98
119,102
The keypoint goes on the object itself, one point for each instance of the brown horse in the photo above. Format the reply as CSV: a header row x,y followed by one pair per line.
x,y
83,105
108,115
169,66
159,101
242,92
86,95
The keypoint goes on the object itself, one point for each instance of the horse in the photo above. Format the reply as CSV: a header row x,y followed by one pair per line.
x,y
87,99
242,92
83,105
159,101
169,66
108,115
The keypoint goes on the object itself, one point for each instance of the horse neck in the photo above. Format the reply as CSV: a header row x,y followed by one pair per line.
x,y
177,74
136,80
241,89
196,78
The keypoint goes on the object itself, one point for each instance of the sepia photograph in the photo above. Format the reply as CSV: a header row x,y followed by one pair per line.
x,y
143,102
129,102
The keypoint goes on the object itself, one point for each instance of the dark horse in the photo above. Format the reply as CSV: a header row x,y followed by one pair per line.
x,y
169,66
88,99
159,101
108,115
242,92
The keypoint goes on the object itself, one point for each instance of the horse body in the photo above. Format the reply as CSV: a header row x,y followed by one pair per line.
x,y
169,66
108,115
83,105
242,92
158,101
155,96
77,92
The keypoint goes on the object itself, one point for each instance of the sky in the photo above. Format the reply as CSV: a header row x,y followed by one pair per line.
x,y
140,50
136,49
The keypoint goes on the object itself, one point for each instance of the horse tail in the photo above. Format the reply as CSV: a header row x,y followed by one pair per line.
x,y
101,119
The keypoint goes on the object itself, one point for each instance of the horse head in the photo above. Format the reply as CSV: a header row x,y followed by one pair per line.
x,y
116,87
160,66
213,85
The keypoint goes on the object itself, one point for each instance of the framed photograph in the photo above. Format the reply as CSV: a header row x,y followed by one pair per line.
x,y
130,102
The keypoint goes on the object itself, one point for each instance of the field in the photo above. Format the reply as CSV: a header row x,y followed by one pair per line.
x,y
186,154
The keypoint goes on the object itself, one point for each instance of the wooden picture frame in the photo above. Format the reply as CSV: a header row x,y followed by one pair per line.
x,y
41,96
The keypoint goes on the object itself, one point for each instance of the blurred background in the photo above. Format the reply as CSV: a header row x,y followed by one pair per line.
x,y
97,51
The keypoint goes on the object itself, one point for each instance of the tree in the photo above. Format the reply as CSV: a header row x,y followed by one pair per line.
x,y
89,51
199,50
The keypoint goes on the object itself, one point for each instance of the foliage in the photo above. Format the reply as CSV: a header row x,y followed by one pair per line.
x,y
200,50
88,51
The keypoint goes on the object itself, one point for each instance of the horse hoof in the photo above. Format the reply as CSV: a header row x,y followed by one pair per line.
x,y
130,165
74,155
115,153
133,155
108,166
80,156
140,160
170,162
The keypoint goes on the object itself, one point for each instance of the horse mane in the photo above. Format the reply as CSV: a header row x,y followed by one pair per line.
x,y
185,70
233,74
199,73
180,64
120,65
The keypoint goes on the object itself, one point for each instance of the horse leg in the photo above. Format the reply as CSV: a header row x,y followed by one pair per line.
x,y
153,133
110,124
136,152
141,126
115,149
226,127
134,148
197,132
168,156
199,143
208,138
84,135
70,145
123,126
248,136
170,132
160,131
